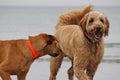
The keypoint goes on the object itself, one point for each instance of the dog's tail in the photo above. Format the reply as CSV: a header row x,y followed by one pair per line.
x,y
73,17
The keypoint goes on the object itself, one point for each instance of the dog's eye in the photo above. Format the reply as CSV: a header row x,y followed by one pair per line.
x,y
102,20
49,42
91,20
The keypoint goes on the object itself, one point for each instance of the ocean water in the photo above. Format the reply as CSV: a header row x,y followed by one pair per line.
x,y
21,22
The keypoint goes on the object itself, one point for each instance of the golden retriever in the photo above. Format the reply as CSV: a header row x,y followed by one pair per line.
x,y
82,43
16,56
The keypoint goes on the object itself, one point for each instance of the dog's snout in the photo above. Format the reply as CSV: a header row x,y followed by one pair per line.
x,y
55,55
98,28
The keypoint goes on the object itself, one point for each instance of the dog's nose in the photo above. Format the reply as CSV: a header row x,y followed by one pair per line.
x,y
55,55
98,28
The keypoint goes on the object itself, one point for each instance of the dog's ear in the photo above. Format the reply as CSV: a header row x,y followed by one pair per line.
x,y
106,26
83,22
49,42
50,39
38,41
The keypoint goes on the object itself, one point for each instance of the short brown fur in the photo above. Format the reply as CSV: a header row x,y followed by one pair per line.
x,y
16,57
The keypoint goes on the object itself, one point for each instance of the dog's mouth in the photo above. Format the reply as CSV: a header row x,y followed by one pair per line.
x,y
54,55
95,35
98,35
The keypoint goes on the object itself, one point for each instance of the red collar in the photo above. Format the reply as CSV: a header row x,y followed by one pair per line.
x,y
32,50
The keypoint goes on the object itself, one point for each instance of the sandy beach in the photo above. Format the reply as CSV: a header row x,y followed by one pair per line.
x,y
40,71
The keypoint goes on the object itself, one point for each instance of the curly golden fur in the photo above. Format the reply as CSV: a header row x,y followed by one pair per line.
x,y
82,43
16,57
73,17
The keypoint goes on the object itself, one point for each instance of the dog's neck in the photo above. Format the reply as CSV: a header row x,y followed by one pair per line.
x,y
34,53
88,39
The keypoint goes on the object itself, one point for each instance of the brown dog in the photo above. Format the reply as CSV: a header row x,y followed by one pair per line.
x,y
82,44
16,56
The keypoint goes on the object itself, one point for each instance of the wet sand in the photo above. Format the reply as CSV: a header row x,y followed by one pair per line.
x,y
40,71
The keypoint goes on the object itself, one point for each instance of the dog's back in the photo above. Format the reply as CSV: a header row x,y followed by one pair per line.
x,y
6,46
68,37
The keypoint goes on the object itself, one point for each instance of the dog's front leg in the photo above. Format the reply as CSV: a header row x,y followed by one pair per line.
x,y
79,65
71,72
21,75
4,75
55,63
91,69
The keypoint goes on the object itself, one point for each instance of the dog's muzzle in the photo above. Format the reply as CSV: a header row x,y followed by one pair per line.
x,y
98,33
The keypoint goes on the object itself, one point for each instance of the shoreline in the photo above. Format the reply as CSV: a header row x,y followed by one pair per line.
x,y
40,71
105,60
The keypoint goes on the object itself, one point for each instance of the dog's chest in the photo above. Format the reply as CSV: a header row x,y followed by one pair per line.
x,y
96,52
